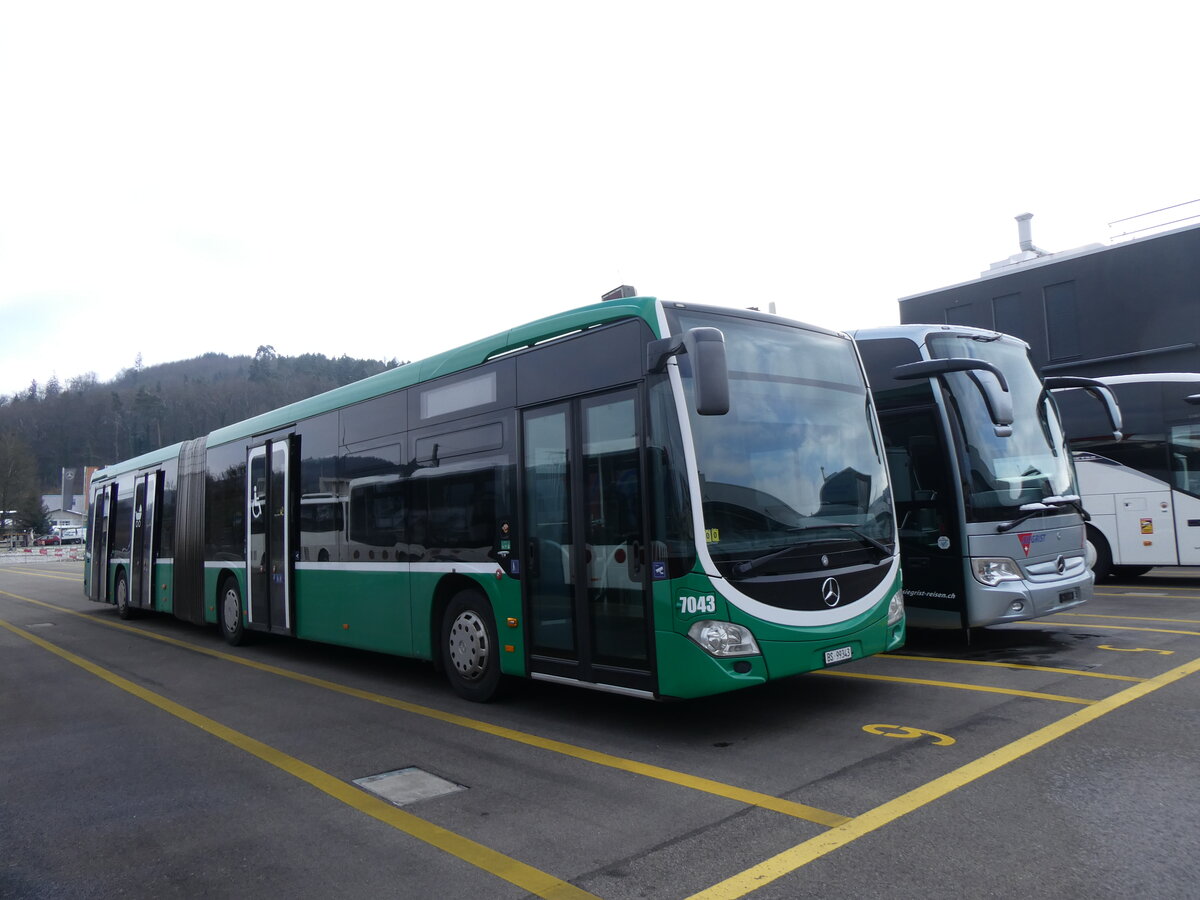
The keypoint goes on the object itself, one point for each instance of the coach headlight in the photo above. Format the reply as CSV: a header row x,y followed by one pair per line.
x,y
724,638
896,608
991,570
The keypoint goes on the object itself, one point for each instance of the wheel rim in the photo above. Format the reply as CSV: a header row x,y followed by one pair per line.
x,y
469,649
230,610
122,594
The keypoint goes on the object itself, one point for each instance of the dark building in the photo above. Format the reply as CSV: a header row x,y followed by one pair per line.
x,y
1117,309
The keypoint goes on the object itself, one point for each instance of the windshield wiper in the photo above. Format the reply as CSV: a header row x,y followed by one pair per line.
x,y
1046,504
747,566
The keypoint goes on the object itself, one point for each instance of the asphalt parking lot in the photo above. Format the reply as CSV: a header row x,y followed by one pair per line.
x,y
147,758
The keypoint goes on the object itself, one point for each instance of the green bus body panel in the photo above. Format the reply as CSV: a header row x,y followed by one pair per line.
x,y
367,610
164,584
163,579
685,670
374,610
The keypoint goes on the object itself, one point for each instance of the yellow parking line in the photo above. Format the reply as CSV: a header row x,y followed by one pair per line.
x,y
518,873
1191,594
957,685
1008,665
1128,618
1045,622
790,860
680,779
36,574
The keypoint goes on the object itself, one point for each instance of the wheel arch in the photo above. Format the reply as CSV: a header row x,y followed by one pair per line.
x,y
224,573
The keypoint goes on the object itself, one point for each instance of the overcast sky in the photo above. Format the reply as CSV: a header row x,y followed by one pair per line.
x,y
393,179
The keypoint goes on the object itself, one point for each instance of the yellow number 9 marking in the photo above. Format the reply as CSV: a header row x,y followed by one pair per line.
x,y
1136,650
907,731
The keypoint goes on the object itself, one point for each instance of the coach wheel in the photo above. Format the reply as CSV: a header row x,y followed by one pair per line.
x,y
470,648
1130,571
121,595
1099,557
230,614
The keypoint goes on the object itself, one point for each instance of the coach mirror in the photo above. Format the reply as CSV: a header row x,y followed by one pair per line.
x,y
705,348
994,390
1097,389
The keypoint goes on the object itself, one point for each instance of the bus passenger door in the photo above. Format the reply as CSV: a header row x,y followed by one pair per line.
x,y
586,571
137,551
932,545
102,503
269,562
146,492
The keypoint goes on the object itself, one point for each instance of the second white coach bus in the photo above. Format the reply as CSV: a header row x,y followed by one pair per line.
x,y
1143,492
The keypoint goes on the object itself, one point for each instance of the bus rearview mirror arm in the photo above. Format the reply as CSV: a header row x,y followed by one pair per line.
x,y
998,400
710,369
1097,389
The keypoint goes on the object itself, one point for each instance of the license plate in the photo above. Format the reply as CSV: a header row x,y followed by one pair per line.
x,y
840,655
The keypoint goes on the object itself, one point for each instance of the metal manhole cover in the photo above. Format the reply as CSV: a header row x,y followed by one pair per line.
x,y
409,785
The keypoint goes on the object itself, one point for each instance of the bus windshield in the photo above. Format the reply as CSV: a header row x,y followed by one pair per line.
x,y
1028,466
797,460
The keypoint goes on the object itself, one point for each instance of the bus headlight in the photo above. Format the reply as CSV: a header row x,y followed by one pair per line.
x,y
896,608
991,570
724,638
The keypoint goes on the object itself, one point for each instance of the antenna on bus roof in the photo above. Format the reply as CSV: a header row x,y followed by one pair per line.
x,y
620,293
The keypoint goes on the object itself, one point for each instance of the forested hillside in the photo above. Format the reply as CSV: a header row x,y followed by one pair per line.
x,y
89,423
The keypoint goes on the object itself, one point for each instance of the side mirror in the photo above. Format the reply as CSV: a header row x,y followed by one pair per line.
x,y
1097,389
705,348
995,395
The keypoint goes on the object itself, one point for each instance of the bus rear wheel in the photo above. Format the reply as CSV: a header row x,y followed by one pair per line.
x,y
471,651
121,596
229,615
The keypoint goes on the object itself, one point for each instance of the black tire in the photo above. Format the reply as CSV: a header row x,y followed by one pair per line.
x,y
1097,547
470,648
1130,571
229,612
121,596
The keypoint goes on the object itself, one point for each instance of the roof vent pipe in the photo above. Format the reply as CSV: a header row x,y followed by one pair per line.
x,y
1025,235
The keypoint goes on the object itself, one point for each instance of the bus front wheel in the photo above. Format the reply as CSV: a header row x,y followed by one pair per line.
x,y
229,616
471,651
1099,557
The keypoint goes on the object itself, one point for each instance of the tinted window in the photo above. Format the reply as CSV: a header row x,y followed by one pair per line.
x,y
374,418
225,502
374,485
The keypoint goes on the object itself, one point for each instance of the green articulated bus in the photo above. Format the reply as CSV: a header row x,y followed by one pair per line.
x,y
656,499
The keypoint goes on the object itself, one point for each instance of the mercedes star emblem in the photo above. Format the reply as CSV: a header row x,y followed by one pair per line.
x,y
831,593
